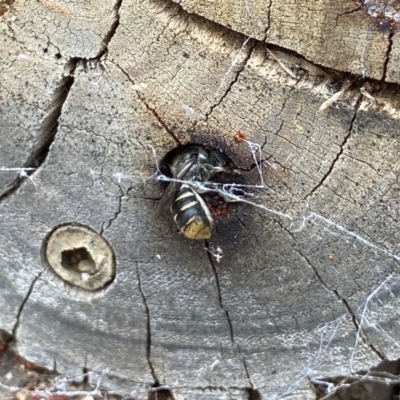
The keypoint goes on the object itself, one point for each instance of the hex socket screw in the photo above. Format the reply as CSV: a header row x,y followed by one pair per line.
x,y
80,256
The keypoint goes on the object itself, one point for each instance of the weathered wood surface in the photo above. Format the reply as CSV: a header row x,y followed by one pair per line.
x,y
89,93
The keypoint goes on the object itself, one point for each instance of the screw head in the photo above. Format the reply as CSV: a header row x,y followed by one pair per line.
x,y
80,256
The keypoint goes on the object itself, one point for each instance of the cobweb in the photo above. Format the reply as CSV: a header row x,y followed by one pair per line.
x,y
229,191
60,387
365,315
23,172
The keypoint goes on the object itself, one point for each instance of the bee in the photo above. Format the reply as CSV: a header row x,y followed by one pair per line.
x,y
189,210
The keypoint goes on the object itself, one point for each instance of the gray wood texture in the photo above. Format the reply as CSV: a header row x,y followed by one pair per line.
x,y
91,95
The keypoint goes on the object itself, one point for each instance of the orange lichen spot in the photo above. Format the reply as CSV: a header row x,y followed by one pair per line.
x,y
239,137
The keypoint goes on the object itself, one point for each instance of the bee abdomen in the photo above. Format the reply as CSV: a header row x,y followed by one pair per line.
x,y
185,206
191,214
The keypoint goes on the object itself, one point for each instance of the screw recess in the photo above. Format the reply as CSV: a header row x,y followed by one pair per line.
x,y
80,256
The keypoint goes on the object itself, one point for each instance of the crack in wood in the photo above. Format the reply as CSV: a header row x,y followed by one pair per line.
x,y
356,322
269,20
144,102
252,46
221,304
21,307
388,52
346,75
359,328
252,392
113,29
330,74
117,212
49,126
246,369
233,81
341,150
47,131
106,40
347,13
148,325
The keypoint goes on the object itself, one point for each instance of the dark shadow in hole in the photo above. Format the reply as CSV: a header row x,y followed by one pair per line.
x,y
378,382
391,366
254,394
161,393
216,204
85,379
166,161
78,260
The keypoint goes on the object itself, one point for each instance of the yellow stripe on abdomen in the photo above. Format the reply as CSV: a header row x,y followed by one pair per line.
x,y
186,206
184,195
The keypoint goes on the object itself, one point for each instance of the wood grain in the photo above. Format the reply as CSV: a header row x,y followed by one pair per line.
x,y
308,280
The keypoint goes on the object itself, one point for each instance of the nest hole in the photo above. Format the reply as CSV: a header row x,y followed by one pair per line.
x,y
167,160
79,260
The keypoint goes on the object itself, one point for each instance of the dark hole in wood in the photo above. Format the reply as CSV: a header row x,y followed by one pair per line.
x,y
391,366
169,157
215,202
85,378
254,394
161,393
78,260
5,339
396,390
